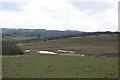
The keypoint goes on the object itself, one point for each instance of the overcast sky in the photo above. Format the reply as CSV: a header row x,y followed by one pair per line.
x,y
82,15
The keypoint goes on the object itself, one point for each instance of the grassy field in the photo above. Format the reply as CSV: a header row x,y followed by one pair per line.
x,y
16,38
45,66
91,45
56,66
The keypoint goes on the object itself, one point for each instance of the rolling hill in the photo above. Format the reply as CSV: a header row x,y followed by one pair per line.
x,y
88,45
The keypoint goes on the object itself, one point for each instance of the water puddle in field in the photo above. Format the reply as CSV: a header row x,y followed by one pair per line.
x,y
61,52
27,50
69,53
46,52
58,52
64,51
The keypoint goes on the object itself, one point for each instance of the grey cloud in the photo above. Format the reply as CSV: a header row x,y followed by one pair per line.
x,y
92,6
12,6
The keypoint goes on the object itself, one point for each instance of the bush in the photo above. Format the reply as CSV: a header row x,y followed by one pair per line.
x,y
10,49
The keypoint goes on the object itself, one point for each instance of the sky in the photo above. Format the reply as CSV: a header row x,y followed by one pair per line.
x,y
82,15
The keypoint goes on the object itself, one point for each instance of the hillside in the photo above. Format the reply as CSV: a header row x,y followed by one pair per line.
x,y
16,38
38,33
89,45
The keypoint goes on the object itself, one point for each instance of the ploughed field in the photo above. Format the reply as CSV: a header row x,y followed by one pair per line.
x,y
100,61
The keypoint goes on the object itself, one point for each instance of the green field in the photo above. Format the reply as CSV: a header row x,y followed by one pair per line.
x,y
59,67
95,65
15,38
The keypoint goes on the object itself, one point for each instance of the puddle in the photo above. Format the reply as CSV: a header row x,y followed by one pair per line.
x,y
27,51
65,51
46,52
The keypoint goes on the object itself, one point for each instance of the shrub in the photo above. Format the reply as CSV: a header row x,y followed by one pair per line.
x,y
10,49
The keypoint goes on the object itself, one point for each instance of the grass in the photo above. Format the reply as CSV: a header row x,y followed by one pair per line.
x,y
54,66
46,66
86,45
16,38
